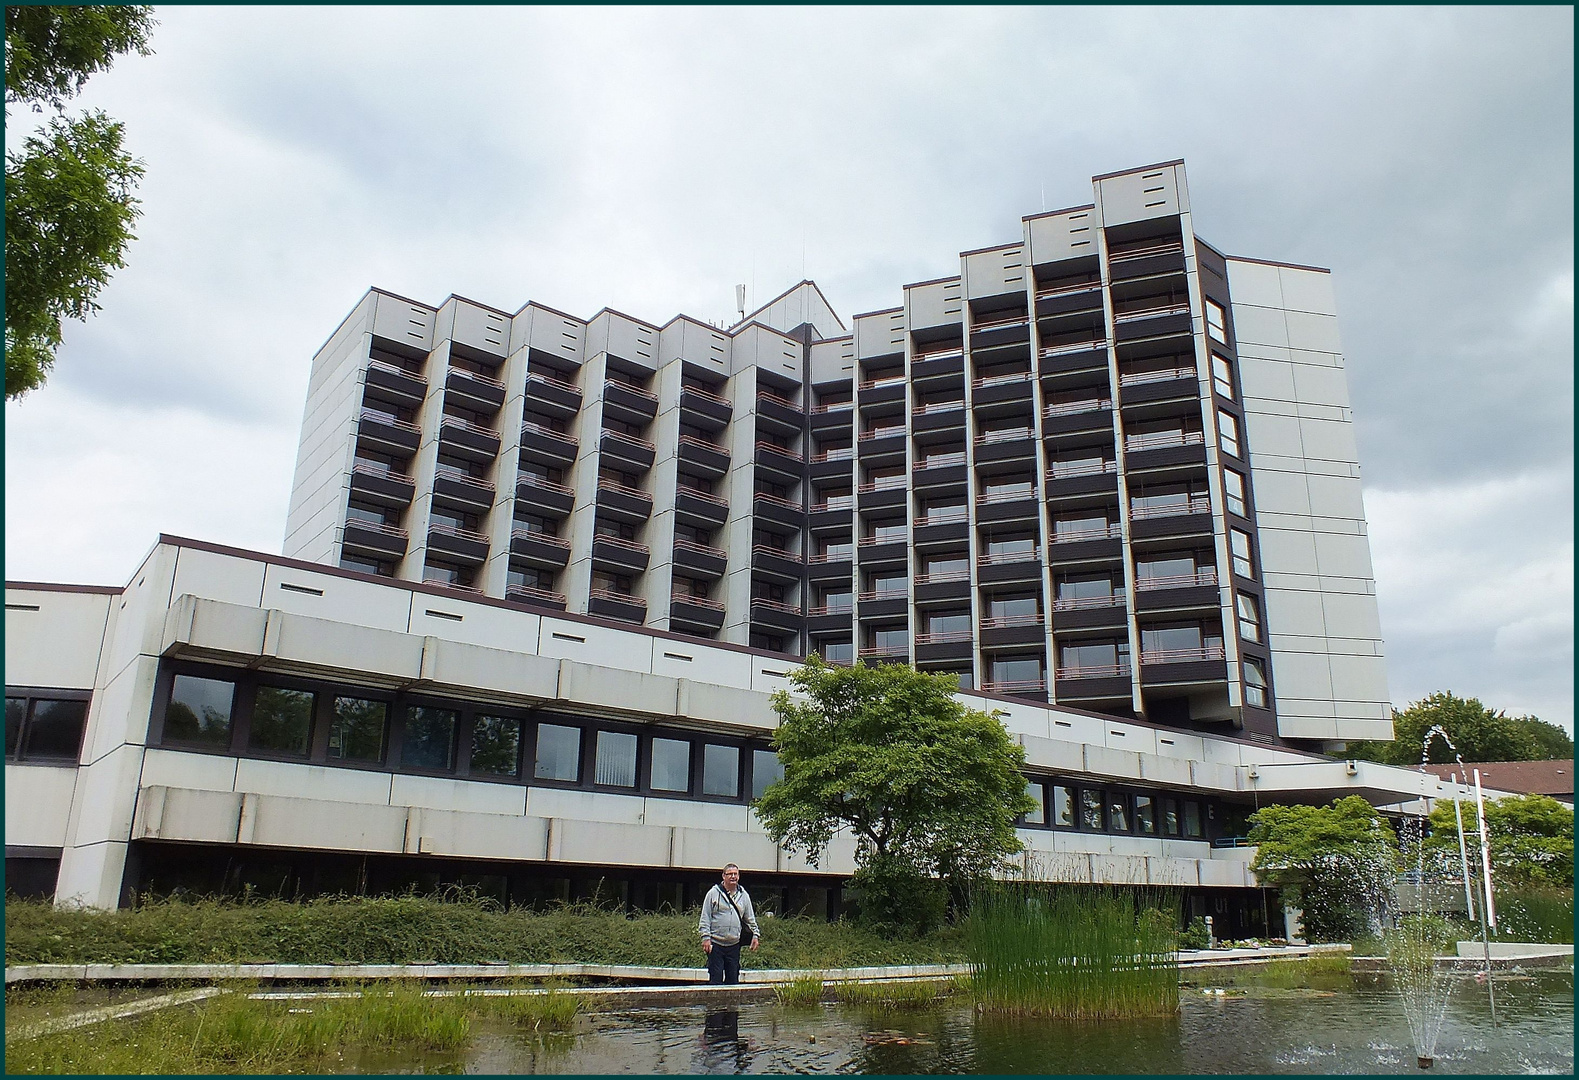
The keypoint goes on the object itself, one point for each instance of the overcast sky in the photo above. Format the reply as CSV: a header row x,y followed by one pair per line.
x,y
649,159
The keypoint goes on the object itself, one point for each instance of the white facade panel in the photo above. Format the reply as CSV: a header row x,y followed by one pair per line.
x,y
38,805
55,638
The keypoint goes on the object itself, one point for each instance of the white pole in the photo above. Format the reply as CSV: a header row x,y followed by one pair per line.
x,y
1463,854
1485,852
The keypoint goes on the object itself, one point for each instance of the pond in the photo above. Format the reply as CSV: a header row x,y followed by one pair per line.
x,y
1250,1030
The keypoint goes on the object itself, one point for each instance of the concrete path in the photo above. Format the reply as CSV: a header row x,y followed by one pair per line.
x,y
110,1012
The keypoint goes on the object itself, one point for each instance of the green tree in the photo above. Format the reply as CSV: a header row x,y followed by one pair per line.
x,y
1336,862
929,788
1479,733
1532,838
69,206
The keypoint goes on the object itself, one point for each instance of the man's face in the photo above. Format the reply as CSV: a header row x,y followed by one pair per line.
x,y
731,878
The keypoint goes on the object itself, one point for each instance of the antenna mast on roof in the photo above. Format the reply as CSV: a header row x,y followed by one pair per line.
x,y
740,301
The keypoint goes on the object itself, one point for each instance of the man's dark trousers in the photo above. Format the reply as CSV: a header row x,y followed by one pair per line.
x,y
723,963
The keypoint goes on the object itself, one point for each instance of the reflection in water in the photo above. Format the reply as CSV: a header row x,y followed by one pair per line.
x,y
723,1051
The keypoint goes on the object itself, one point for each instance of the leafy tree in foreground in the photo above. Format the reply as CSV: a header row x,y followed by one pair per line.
x,y
69,205
1333,861
930,788
1532,838
1479,733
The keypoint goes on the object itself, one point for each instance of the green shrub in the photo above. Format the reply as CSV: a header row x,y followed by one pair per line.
x,y
1536,913
1195,936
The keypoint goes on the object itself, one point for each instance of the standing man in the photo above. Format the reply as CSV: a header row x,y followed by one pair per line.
x,y
726,916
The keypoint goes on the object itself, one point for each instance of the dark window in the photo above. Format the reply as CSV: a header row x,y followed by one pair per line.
x,y
1170,817
356,732
721,770
1118,812
54,729
15,716
1038,794
1192,819
1063,806
766,770
671,765
199,710
1091,817
615,762
282,721
1255,683
558,753
496,746
1145,815
429,740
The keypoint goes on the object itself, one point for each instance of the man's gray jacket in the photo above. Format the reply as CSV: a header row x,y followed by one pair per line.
x,y
719,921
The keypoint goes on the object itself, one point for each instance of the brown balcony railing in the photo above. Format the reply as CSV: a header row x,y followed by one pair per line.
x,y
1141,378
774,500
544,483
1156,440
933,407
883,483
369,468
1074,408
940,461
454,586
1064,470
530,593
466,425
682,544
1074,346
620,542
704,444
1182,656
1094,671
881,381
541,537
396,369
1015,686
834,554
996,558
617,596
992,322
543,429
645,395
455,472
478,377
943,517
776,552
391,419
776,399
843,608
949,353
1002,380
875,540
707,395
381,527
549,380
634,440
446,529
833,406
1065,290
775,605
884,651
942,577
1196,504
699,601
1080,603
1146,252
833,502
1004,435
623,489
837,453
1111,531
1002,622
884,594
1151,312
698,493
782,451
941,637
1014,494
881,432
1206,575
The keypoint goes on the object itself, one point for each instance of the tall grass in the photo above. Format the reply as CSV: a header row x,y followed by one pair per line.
x,y
1324,970
1081,952
800,992
908,994
1541,913
412,929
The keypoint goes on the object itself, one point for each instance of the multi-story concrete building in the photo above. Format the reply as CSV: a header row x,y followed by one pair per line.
x,y
541,575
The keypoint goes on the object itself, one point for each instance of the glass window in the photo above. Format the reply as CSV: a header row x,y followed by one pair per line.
x,y
1085,588
1038,794
1239,544
946,564
55,729
1249,618
356,732
1222,377
1020,545
15,715
429,741
282,721
1234,492
614,762
1094,655
558,753
1118,812
1170,817
1081,527
1165,566
891,639
1018,669
838,652
1192,819
1228,433
1217,321
1145,815
766,770
946,622
721,770
671,765
1255,683
496,745
1007,607
1063,806
886,532
199,710
1091,817
890,585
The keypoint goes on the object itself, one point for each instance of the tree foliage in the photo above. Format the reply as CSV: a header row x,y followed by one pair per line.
x,y
1333,861
1479,733
1532,838
929,788
69,203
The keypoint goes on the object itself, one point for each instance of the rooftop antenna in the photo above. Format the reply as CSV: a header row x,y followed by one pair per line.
x,y
1044,196
740,301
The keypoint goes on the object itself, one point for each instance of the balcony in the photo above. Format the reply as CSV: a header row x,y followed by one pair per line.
x,y
779,459
696,614
1000,331
698,508
775,614
704,408
616,605
877,550
455,485
1094,671
884,390
938,416
1179,592
699,560
1151,320
1164,450
779,411
468,440
1078,417
778,563
1008,504
619,555
883,443
704,458
391,381
1004,630
1005,444
457,543
528,594
1186,518
373,538
619,502
382,485
473,391
1195,666
1159,440
540,550
1148,261
383,431
551,396
629,451
885,654
1010,386
942,527
833,564
542,443
540,496
1031,688
1090,612
941,365
1182,656
1164,384
1074,479
628,404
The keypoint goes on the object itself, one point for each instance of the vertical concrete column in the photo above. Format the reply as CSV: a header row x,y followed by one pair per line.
x,y
583,478
424,464
658,582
